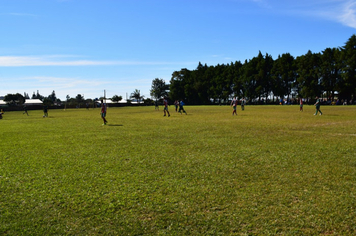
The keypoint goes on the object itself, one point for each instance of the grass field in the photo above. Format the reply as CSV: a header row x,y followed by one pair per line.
x,y
269,170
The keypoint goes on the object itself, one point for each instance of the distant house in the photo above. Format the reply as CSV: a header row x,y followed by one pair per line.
x,y
28,102
108,102
2,103
31,102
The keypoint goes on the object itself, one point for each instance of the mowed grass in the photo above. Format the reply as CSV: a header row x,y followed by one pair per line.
x,y
268,170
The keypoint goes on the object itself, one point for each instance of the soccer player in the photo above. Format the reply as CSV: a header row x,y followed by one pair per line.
x,y
156,105
317,106
181,104
234,104
45,111
165,109
103,112
25,109
301,104
243,102
176,104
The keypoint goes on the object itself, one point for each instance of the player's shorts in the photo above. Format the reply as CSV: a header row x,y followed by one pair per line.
x,y
166,108
103,114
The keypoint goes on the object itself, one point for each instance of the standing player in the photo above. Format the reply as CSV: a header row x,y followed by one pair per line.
x,y
45,111
176,104
103,112
165,109
25,109
317,106
181,108
156,105
301,104
234,104
243,102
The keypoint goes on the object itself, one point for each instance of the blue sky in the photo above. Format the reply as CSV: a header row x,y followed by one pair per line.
x,y
88,46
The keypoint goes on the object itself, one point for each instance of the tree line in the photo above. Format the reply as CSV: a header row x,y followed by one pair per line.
x,y
78,101
329,74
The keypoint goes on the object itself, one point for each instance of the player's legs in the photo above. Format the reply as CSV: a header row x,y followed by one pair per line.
x,y
103,117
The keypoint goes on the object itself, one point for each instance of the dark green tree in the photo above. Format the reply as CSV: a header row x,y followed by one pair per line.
x,y
348,84
308,75
177,84
137,95
330,71
249,78
264,67
159,89
283,75
116,98
237,87
15,99
52,96
201,83
37,96
79,99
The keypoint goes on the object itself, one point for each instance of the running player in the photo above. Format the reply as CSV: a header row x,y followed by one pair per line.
x,y
165,109
317,106
234,104
103,112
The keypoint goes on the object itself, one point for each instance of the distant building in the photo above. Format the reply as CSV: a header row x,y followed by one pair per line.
x,y
28,102
2,103
31,102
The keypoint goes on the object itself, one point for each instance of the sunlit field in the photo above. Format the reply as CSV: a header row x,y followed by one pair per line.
x,y
268,170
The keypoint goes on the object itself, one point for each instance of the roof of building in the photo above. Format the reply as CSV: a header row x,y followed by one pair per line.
x,y
27,102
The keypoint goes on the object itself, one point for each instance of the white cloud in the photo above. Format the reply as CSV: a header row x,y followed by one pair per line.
x,y
61,82
348,16
57,60
342,11
46,84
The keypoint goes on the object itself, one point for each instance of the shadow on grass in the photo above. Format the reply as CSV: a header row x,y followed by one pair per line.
x,y
114,125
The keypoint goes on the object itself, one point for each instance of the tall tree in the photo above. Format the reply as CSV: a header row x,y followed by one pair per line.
x,y
159,88
309,74
37,96
15,99
237,87
177,84
248,78
137,95
116,98
79,99
348,85
264,68
283,75
331,70
52,96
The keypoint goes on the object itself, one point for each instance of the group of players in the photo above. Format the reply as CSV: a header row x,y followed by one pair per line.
x,y
177,104
234,105
181,104
316,104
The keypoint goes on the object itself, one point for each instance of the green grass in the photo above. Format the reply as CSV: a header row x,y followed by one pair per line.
x,y
269,170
